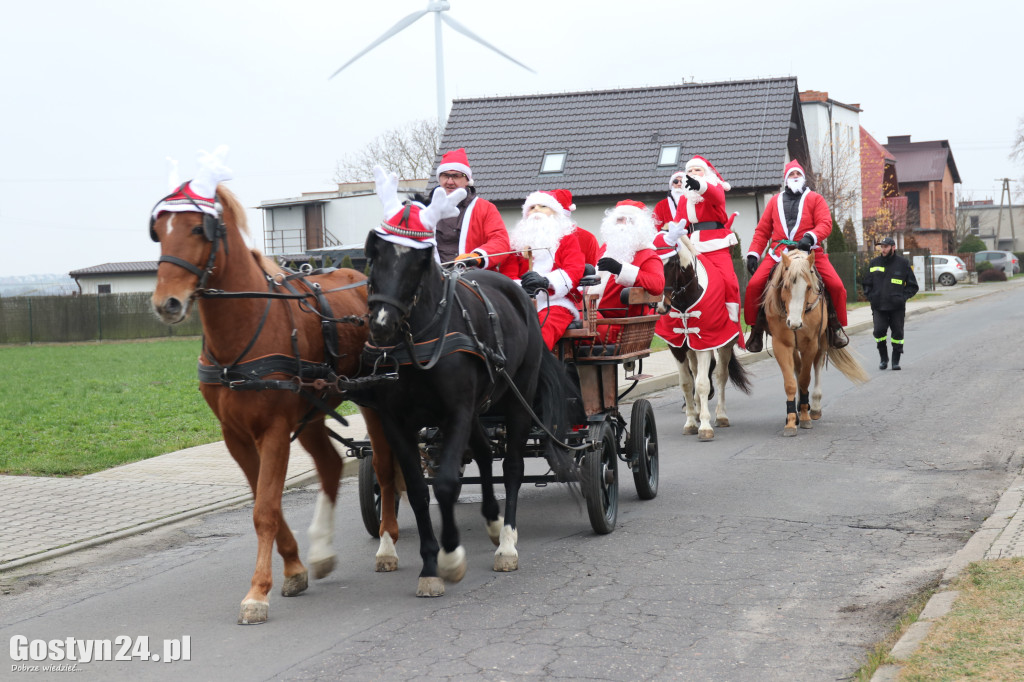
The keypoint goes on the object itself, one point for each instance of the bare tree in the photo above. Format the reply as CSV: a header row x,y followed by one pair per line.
x,y
408,150
1017,151
960,222
836,175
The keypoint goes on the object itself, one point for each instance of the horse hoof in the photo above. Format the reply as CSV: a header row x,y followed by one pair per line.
x,y
789,431
253,612
689,430
705,436
323,567
295,584
385,564
452,567
722,421
430,587
806,424
815,414
506,562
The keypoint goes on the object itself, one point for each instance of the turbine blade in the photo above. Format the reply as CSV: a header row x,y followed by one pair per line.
x,y
472,36
397,28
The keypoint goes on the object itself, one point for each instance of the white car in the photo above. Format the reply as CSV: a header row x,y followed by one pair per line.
x,y
1000,259
948,270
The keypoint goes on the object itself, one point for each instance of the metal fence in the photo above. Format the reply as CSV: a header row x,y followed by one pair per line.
x,y
55,319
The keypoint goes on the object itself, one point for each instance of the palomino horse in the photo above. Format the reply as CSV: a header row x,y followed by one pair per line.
x,y
460,343
794,303
684,274
260,326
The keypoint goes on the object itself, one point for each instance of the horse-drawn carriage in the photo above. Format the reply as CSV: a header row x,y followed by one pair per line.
x,y
598,444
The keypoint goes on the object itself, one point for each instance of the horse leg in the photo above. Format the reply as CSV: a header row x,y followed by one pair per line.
x,y
317,443
705,432
451,558
483,455
386,558
809,358
786,357
721,378
689,400
506,556
816,393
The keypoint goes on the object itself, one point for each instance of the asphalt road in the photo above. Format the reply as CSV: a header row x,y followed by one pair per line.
x,y
762,558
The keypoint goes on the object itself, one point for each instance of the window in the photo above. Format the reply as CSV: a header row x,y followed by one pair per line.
x,y
554,162
103,289
669,155
975,227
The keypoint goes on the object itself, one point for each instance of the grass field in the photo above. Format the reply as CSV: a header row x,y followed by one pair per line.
x,y
73,409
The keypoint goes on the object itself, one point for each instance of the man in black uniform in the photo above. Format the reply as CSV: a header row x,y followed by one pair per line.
x,y
889,284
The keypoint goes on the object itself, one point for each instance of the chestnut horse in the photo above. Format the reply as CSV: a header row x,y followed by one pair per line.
x,y
794,303
683,289
260,324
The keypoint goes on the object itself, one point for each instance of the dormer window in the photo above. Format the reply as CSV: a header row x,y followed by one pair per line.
x,y
554,162
669,155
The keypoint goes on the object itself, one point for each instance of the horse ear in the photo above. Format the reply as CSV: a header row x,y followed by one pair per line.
x,y
370,248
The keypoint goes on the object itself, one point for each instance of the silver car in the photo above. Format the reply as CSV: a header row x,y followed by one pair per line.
x,y
948,270
1000,259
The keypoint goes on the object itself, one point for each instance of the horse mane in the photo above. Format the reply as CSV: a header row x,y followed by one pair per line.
x,y
233,211
773,305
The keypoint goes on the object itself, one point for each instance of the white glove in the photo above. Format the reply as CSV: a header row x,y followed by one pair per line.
x,y
442,205
387,191
212,171
675,230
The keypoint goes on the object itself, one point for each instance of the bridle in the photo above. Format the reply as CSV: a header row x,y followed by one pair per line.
x,y
213,229
679,288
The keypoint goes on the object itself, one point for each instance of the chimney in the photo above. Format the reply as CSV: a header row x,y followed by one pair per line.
x,y
899,139
813,96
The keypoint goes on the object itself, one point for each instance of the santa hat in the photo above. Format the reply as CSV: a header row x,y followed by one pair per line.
x,y
406,227
455,160
677,174
558,200
628,204
199,193
791,166
710,172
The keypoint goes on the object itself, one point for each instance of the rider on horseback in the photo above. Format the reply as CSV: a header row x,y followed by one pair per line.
x,y
800,215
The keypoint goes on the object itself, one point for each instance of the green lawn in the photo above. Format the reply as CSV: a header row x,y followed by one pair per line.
x,y
73,409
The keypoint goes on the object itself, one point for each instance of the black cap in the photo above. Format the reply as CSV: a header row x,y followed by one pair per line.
x,y
888,241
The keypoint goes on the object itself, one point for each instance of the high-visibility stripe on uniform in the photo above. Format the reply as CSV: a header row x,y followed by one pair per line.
x,y
878,268
897,281
895,341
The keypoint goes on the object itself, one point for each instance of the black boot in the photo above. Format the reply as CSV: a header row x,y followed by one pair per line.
x,y
837,338
755,341
883,353
896,353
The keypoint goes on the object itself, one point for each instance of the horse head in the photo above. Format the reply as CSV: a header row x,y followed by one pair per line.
x,y
680,277
397,274
793,280
193,244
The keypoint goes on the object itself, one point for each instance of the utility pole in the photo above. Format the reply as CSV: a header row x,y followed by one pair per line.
x,y
1009,205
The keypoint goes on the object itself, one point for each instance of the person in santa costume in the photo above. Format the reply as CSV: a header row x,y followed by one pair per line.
x,y
588,242
627,258
548,262
800,215
477,237
665,210
701,208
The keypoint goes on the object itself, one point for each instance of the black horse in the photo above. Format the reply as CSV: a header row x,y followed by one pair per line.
x,y
461,343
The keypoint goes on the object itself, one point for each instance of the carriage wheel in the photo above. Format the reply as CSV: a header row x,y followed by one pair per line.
x,y
643,449
369,497
600,482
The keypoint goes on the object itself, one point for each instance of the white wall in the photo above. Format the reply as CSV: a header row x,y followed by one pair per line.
x,y
120,284
845,132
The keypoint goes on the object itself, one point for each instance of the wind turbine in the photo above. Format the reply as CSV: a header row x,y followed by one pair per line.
x,y
438,7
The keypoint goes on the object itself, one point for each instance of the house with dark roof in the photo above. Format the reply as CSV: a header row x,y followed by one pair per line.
x,y
927,173
117,278
609,145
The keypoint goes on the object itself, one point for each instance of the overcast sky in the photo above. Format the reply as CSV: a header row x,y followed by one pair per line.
x,y
97,93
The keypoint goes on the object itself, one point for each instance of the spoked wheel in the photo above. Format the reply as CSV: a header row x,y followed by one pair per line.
x,y
643,449
369,497
600,481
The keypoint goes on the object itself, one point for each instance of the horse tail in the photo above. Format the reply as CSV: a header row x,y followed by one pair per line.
x,y
738,375
846,363
558,400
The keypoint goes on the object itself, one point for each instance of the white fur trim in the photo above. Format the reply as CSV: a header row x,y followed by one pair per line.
x,y
627,277
560,283
543,199
713,244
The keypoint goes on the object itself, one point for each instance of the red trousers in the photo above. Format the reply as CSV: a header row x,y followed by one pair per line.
x,y
759,280
554,320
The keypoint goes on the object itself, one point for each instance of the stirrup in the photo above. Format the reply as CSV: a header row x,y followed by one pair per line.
x,y
837,337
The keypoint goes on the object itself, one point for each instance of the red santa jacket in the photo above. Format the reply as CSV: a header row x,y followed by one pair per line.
x,y
563,270
484,231
588,244
664,212
645,271
813,218
711,209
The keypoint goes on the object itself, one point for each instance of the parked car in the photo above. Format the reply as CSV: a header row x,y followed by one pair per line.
x,y
1000,259
948,270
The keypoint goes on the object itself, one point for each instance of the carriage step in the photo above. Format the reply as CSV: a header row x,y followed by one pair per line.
x,y
638,377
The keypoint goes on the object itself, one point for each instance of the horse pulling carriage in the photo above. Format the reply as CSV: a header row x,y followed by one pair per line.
x,y
598,444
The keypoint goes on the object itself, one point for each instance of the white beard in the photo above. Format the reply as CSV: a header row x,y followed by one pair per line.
x,y
623,240
538,231
796,185
676,193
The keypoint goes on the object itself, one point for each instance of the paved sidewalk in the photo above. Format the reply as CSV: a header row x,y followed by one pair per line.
x,y
44,518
